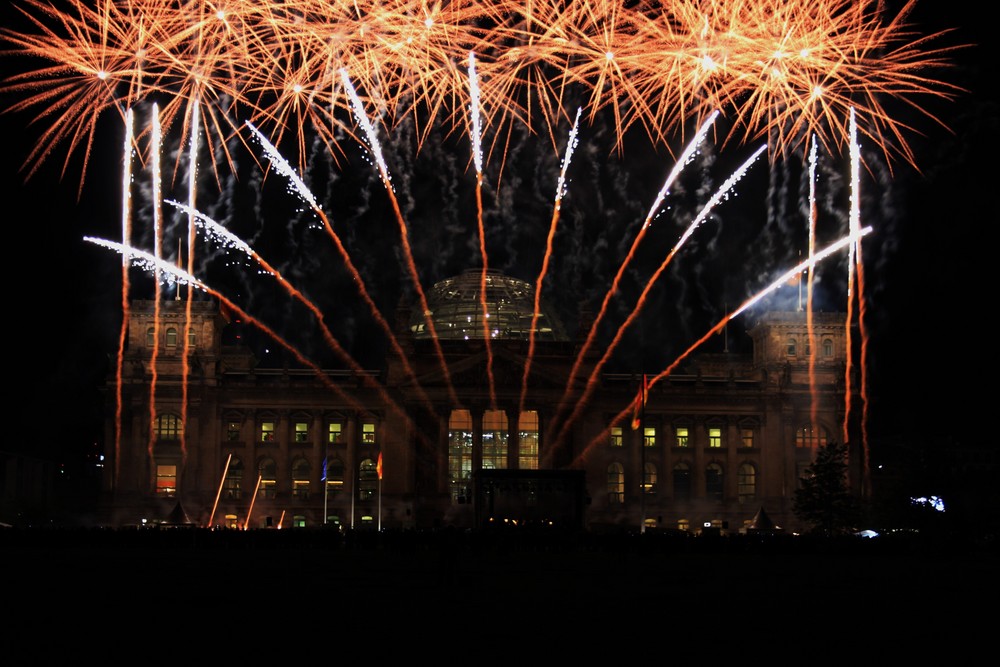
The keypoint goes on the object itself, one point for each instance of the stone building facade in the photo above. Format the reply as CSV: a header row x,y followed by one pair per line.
x,y
198,431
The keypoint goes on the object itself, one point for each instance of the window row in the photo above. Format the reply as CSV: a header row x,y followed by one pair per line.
x,y
682,436
746,482
792,347
267,431
332,475
171,337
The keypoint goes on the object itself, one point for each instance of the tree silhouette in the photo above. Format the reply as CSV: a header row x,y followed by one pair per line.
x,y
824,499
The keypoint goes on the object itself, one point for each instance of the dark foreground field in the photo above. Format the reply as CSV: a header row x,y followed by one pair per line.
x,y
502,583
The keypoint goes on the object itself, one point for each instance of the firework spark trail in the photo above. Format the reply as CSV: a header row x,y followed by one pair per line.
x,y
218,494
157,292
814,403
749,303
127,153
376,149
192,201
855,221
594,379
284,168
560,192
216,231
476,129
675,172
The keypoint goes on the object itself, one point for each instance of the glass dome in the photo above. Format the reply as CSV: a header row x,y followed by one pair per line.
x,y
456,310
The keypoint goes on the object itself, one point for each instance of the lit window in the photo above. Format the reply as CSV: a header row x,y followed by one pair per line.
x,y
746,482
616,436
368,433
168,427
367,480
267,432
268,472
301,431
746,437
714,437
810,437
683,524
300,479
495,432
616,484
649,436
232,431
298,521
713,481
791,347
649,478
171,337
460,455
827,347
527,440
166,480
683,436
334,432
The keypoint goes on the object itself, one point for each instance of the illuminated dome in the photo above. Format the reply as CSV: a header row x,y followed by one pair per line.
x,y
457,310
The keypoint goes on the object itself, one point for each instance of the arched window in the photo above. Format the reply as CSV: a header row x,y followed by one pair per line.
x,y
300,478
334,476
367,480
649,478
790,347
811,437
746,482
232,486
682,481
268,471
827,347
495,433
168,427
713,481
616,484
171,337
460,455
527,440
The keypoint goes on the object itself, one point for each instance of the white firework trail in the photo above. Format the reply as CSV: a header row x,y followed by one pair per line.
x,y
214,231
359,113
682,161
570,147
150,263
805,265
285,169
476,124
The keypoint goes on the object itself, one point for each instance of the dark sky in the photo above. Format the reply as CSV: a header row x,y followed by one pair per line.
x,y
931,341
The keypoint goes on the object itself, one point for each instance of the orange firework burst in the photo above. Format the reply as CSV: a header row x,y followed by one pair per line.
x,y
784,69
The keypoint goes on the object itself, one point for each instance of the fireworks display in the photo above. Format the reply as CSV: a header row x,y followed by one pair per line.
x,y
414,83
783,70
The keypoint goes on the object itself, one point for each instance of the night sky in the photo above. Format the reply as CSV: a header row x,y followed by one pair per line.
x,y
925,262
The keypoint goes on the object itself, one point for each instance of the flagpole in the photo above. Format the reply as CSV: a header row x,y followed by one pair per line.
x,y
326,484
642,458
